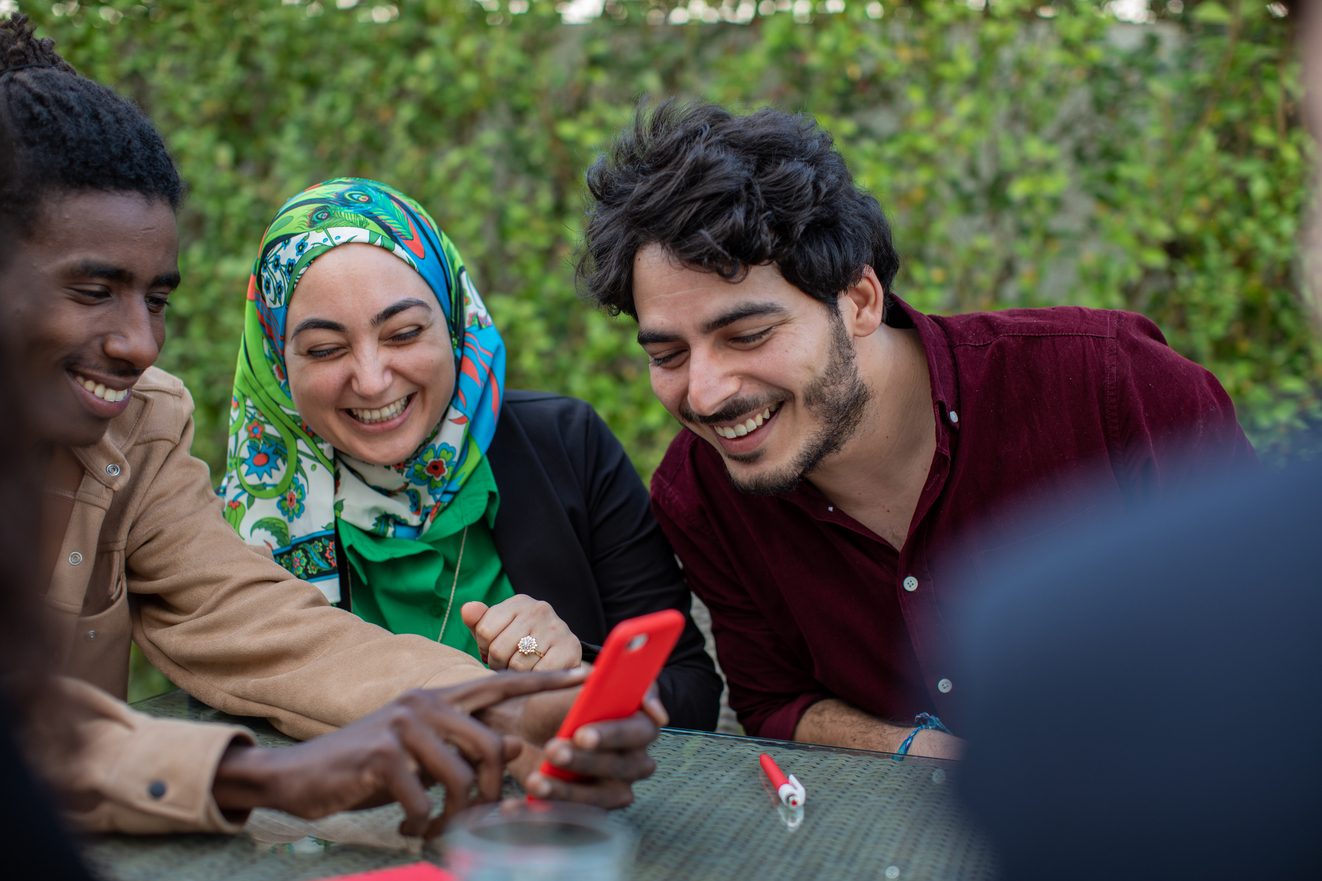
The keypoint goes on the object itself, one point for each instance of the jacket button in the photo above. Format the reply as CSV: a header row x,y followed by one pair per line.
x,y
911,584
112,469
89,635
954,417
75,558
944,686
156,788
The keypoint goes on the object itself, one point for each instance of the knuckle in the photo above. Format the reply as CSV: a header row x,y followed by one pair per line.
x,y
412,699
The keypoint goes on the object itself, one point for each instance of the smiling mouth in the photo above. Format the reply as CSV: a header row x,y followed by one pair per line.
x,y
98,389
384,414
749,425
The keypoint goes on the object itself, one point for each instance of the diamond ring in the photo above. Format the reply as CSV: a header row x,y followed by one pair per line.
x,y
528,646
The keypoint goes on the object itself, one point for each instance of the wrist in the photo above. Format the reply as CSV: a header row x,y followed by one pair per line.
x,y
929,738
243,778
936,745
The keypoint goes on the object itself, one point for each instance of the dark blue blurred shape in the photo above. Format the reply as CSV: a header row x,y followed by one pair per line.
x,y
1146,696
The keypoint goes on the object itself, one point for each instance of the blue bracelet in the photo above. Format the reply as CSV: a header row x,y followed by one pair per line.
x,y
924,721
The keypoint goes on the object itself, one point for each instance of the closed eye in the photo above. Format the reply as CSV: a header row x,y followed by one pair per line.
x,y
405,336
752,337
663,360
323,353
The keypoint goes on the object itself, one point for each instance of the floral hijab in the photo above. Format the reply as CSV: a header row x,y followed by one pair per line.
x,y
284,486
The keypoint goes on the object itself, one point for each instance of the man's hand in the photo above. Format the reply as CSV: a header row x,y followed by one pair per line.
x,y
390,755
612,754
498,629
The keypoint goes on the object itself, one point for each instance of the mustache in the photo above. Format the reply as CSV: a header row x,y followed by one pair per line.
x,y
731,411
116,371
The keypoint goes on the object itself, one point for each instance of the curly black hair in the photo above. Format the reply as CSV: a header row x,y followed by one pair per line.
x,y
722,193
69,133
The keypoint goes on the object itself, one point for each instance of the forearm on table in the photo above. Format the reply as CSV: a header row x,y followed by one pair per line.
x,y
834,722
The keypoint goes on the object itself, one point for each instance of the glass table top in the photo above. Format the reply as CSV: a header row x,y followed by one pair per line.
x,y
707,813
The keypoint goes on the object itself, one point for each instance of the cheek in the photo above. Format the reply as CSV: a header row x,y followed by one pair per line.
x,y
314,388
668,386
432,368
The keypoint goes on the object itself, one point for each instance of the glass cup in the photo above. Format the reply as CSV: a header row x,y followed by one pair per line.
x,y
537,841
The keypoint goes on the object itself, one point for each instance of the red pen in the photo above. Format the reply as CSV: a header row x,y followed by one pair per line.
x,y
789,789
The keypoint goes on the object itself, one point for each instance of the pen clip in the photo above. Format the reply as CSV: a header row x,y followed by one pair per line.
x,y
792,793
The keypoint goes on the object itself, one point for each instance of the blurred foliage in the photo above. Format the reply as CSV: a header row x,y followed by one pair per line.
x,y
1027,154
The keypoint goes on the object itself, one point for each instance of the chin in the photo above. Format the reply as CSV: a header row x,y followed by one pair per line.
x,y
71,433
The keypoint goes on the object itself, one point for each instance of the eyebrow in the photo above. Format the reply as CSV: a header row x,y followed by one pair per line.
x,y
739,313
377,320
395,308
120,275
318,324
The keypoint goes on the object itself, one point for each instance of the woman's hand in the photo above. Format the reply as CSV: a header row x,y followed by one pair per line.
x,y
391,755
499,628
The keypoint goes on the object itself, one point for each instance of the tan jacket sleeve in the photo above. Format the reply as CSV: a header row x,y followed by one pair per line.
x,y
134,773
234,629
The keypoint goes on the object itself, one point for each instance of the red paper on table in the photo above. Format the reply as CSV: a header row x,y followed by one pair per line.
x,y
412,872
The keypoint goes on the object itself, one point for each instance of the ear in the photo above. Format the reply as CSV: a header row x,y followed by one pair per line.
x,y
862,305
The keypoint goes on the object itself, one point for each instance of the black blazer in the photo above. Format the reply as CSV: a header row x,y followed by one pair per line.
x,y
575,529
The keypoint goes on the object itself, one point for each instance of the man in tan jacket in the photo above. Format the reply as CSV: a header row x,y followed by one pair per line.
x,y
135,547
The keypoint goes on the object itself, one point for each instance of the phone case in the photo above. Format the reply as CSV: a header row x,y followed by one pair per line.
x,y
634,653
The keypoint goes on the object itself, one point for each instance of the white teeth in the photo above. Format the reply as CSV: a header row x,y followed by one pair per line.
x,y
384,414
99,389
743,428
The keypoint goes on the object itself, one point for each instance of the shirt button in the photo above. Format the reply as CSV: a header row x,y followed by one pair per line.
x,y
911,584
112,469
830,507
436,611
89,635
75,558
944,686
156,789
954,417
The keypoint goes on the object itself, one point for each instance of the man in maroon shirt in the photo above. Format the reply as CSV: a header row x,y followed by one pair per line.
x,y
847,461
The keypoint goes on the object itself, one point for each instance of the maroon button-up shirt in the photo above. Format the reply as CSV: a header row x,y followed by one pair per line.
x,y
1062,410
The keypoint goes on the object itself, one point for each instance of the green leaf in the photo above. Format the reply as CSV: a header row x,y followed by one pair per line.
x,y
277,527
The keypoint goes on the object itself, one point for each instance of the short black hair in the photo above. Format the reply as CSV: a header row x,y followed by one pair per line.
x,y
722,193
68,133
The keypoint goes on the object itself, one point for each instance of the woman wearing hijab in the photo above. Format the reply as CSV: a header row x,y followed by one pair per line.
x,y
374,450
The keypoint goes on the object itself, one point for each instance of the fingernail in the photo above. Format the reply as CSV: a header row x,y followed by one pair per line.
x,y
587,738
540,787
559,753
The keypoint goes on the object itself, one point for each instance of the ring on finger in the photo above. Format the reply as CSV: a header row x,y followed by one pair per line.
x,y
528,646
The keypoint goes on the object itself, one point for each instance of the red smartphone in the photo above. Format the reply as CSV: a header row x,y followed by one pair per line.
x,y
635,651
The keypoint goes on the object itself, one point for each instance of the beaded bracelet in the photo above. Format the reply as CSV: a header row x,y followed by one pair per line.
x,y
924,721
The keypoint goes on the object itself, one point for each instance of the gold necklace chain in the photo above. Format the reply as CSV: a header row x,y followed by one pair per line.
x,y
446,620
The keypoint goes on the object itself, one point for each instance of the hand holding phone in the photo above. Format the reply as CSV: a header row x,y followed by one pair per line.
x,y
633,655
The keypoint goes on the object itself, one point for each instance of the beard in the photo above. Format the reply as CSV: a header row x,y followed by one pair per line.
x,y
837,396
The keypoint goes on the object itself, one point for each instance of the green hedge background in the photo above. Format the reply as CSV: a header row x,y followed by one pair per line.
x,y
1027,154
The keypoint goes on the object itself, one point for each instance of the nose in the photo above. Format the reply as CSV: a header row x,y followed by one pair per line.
x,y
372,376
710,382
133,338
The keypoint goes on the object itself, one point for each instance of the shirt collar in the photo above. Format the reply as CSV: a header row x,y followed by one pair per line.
x,y
940,365
105,460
